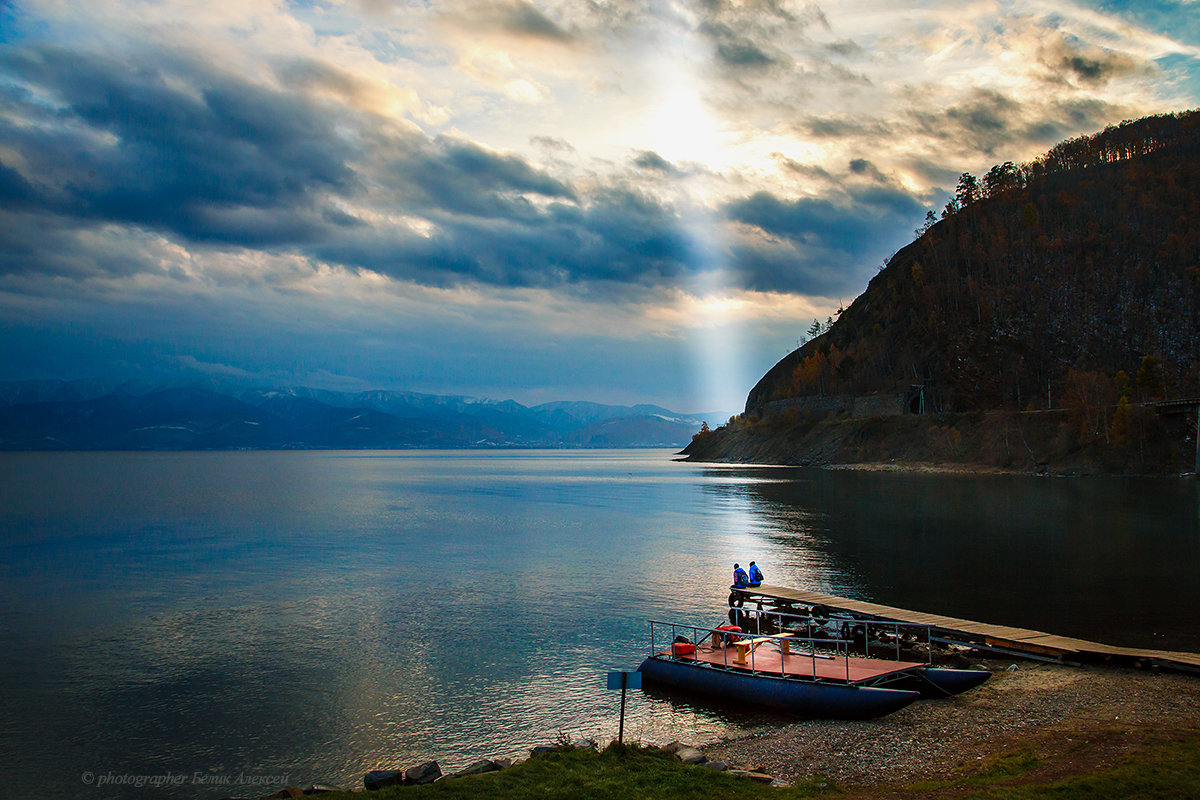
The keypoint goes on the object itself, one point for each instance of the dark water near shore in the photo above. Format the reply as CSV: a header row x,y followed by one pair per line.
x,y
317,615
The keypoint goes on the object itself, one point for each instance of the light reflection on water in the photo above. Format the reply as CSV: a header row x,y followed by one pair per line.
x,y
323,614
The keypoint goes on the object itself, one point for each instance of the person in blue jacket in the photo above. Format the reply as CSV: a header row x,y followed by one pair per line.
x,y
740,579
756,576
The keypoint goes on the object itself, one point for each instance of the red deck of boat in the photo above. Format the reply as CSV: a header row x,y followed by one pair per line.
x,y
767,658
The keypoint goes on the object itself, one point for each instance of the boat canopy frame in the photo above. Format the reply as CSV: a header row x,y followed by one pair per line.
x,y
813,623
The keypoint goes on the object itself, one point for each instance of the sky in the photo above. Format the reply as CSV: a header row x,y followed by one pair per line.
x,y
601,200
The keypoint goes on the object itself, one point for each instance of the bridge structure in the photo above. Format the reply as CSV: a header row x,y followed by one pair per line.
x,y
1189,405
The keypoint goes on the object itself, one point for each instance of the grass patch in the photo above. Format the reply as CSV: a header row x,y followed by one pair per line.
x,y
1003,767
1010,765
1166,772
616,773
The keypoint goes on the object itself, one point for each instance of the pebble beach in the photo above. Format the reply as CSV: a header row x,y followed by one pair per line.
x,y
1025,707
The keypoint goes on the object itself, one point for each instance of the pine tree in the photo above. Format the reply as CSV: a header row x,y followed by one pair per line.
x,y
1149,378
1122,384
1120,432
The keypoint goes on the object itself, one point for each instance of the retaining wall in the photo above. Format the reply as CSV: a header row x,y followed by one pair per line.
x,y
857,406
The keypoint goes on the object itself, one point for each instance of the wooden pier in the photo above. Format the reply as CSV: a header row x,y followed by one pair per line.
x,y
1016,641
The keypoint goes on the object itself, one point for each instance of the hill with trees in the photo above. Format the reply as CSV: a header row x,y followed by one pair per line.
x,y
1070,284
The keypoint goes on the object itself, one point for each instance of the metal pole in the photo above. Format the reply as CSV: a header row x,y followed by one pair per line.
x,y
782,663
621,729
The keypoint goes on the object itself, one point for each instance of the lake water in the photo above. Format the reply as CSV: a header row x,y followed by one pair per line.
x,y
316,615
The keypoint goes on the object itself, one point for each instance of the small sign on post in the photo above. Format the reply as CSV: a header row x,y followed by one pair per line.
x,y
623,681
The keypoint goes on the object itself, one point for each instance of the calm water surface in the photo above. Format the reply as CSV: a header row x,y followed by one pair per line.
x,y
317,615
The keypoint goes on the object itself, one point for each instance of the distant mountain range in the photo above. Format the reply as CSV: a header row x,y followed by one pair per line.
x,y
141,415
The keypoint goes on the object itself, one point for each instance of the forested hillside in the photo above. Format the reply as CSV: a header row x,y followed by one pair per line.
x,y
1070,285
1039,283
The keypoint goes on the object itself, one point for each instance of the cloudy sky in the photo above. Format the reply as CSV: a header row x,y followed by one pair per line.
x,y
614,200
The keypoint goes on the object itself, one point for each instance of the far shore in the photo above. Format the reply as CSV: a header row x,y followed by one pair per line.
x,y
982,442
892,466
948,469
936,468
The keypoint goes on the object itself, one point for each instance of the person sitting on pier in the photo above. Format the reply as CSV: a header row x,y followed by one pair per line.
x,y
740,579
756,576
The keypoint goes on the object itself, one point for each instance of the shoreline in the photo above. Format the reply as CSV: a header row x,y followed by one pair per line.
x,y
1031,724
940,468
1037,443
936,468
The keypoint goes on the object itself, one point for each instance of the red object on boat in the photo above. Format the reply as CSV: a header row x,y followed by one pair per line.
x,y
683,648
728,638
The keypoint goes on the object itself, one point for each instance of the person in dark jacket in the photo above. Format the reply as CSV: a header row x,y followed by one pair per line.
x,y
756,576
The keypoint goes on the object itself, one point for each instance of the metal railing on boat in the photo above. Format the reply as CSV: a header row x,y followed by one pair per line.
x,y
866,625
697,639
814,643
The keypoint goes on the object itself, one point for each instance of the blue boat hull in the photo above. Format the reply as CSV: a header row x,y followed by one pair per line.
x,y
791,695
936,682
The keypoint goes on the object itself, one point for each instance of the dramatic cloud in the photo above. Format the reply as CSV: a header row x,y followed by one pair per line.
x,y
176,147
821,243
651,160
519,19
513,193
1089,65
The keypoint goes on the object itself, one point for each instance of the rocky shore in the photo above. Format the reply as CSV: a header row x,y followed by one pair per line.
x,y
1071,719
1038,442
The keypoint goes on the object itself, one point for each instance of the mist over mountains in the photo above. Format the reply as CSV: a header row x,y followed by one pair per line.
x,y
210,415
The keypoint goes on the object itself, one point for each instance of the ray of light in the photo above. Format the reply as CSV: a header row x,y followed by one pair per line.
x,y
683,130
